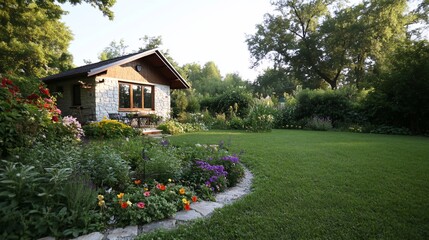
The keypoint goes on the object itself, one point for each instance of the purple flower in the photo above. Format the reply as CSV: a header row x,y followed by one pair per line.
x,y
164,143
233,158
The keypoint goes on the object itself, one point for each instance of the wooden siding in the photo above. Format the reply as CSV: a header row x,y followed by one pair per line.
x,y
128,72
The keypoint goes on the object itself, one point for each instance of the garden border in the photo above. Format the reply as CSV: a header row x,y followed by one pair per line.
x,y
201,209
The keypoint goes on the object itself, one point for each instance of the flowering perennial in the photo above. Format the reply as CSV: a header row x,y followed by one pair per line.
x,y
233,158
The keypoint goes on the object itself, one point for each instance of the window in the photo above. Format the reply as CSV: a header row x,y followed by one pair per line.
x,y
76,95
135,96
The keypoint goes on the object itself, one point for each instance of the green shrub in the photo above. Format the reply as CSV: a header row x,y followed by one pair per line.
x,y
337,105
173,127
222,103
319,123
35,203
105,167
260,118
236,123
161,164
24,119
108,128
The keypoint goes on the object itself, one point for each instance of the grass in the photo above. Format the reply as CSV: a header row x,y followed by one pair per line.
x,y
321,185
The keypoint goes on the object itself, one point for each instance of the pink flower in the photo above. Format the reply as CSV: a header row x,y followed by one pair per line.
x,y
140,204
146,194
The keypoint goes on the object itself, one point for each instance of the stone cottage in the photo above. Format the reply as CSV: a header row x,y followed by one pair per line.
x,y
135,83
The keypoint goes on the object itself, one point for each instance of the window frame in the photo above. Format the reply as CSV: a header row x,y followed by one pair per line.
x,y
132,108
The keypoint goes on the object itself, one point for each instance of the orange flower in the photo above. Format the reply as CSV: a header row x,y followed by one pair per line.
x,y
120,195
182,191
138,181
194,198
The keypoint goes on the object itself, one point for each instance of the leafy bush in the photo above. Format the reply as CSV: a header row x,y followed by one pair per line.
x,y
161,164
105,167
260,118
337,105
24,118
108,128
400,98
35,201
173,127
319,123
391,130
223,102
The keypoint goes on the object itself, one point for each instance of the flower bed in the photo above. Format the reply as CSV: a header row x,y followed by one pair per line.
x,y
67,190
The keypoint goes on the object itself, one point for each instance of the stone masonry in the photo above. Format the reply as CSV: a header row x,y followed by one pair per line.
x,y
107,98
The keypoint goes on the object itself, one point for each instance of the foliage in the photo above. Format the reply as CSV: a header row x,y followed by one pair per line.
x,y
338,105
174,127
401,98
108,128
113,50
145,202
331,42
236,98
260,118
105,167
319,123
40,194
26,118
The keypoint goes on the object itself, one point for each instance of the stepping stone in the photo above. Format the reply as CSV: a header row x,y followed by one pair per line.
x,y
127,233
92,236
186,216
165,224
205,208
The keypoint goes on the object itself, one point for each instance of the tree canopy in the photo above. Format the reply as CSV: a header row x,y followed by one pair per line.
x,y
328,41
33,40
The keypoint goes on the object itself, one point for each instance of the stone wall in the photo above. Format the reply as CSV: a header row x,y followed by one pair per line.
x,y
162,101
107,98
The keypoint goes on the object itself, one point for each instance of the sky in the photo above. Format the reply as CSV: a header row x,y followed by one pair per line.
x,y
193,31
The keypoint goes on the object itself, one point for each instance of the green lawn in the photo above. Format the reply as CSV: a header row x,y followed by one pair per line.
x,y
321,185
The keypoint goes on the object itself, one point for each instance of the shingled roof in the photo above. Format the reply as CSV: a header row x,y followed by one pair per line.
x,y
155,57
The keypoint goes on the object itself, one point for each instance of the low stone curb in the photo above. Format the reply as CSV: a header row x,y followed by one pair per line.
x,y
199,210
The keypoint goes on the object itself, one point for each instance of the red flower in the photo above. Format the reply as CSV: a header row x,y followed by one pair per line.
x,y
194,198
160,186
55,119
124,205
44,91
187,207
5,82
33,96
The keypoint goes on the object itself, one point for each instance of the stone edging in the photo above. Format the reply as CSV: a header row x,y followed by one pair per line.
x,y
198,210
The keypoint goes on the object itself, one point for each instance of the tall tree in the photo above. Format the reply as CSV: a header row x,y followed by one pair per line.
x,y
319,41
115,49
33,40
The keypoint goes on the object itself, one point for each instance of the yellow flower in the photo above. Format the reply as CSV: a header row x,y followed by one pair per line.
x,y
182,191
129,203
100,197
169,180
120,195
101,203
184,201
146,189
